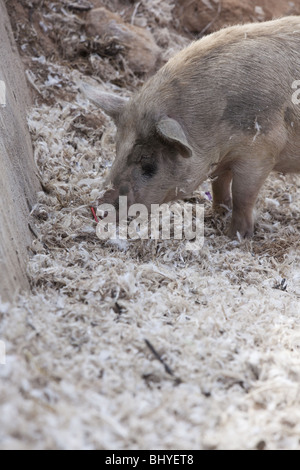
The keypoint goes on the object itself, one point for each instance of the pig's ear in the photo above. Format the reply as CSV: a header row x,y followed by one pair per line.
x,y
171,131
111,104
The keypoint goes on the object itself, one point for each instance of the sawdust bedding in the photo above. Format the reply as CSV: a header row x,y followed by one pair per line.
x,y
142,344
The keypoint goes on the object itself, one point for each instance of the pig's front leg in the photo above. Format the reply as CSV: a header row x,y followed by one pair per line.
x,y
248,177
222,191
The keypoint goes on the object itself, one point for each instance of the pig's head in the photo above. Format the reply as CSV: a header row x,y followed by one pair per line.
x,y
153,156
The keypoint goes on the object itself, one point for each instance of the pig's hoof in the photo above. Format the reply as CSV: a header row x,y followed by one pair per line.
x,y
240,232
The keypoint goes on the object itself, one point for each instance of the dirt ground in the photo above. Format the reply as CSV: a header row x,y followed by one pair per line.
x,y
79,372
201,17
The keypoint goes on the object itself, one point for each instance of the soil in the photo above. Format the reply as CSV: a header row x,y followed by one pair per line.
x,y
205,16
60,31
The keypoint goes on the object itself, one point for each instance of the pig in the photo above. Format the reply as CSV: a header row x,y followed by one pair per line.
x,y
225,108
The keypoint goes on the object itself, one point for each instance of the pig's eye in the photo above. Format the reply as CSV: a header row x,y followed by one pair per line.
x,y
149,168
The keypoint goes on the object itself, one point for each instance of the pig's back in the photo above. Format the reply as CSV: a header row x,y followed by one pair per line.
x,y
242,75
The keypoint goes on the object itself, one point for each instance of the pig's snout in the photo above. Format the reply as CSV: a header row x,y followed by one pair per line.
x,y
112,196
